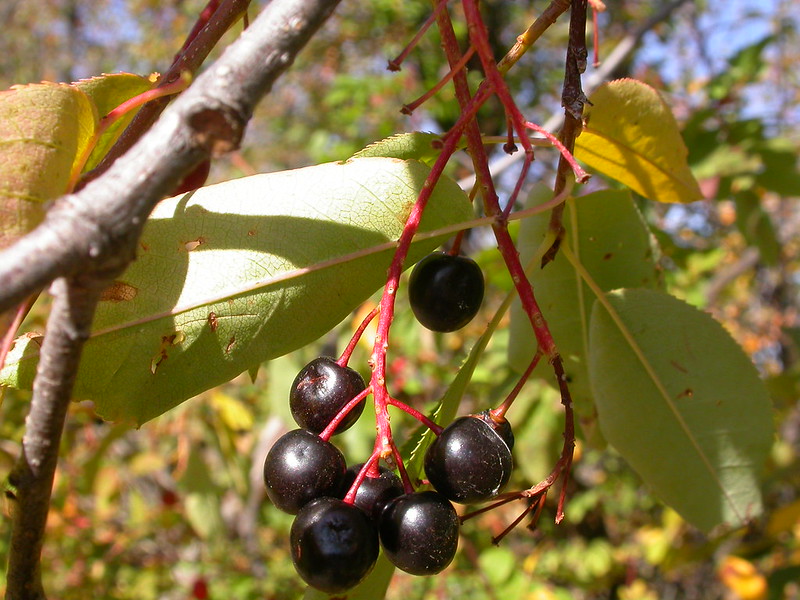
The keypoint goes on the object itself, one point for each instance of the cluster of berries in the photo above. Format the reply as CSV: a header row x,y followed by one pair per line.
x,y
344,515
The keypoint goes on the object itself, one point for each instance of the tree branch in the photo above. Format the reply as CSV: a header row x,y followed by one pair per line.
x,y
97,227
32,477
88,238
190,58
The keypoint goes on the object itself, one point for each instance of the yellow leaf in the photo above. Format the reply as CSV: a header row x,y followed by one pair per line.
x,y
107,92
631,136
742,578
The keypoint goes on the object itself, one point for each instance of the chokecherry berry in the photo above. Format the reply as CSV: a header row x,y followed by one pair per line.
x,y
301,466
419,532
470,461
320,390
334,545
445,291
374,492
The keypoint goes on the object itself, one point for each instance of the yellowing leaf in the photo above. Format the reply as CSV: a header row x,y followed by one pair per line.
x,y
42,128
632,136
108,92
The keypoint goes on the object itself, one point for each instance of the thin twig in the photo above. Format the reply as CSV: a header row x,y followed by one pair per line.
x,y
199,43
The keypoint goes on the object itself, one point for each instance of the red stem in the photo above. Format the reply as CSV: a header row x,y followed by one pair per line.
x,y
437,429
412,106
479,39
340,416
394,64
383,441
201,22
350,497
20,313
348,352
581,176
499,413
456,247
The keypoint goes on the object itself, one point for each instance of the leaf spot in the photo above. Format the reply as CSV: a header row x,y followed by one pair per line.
x,y
687,393
212,321
608,255
194,244
231,344
119,291
167,341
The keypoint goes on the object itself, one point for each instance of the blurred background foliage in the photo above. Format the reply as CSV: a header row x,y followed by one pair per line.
x,y
177,510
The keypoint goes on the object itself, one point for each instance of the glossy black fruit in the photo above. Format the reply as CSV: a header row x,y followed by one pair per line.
x,y
301,467
374,492
470,461
321,390
445,291
419,532
334,545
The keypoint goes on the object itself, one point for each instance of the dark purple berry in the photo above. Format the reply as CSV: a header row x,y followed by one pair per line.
x,y
469,461
334,545
500,425
445,291
419,532
301,466
374,492
320,390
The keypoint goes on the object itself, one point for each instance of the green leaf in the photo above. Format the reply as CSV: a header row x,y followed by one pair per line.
x,y
682,403
608,235
42,129
632,137
241,272
416,145
108,92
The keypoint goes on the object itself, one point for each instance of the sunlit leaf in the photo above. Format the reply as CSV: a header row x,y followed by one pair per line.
x,y
631,136
242,272
682,403
608,235
108,92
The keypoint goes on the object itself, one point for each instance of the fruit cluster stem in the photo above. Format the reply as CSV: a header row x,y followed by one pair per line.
x,y
479,39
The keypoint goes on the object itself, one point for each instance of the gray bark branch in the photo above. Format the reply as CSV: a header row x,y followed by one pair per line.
x,y
89,237
97,227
